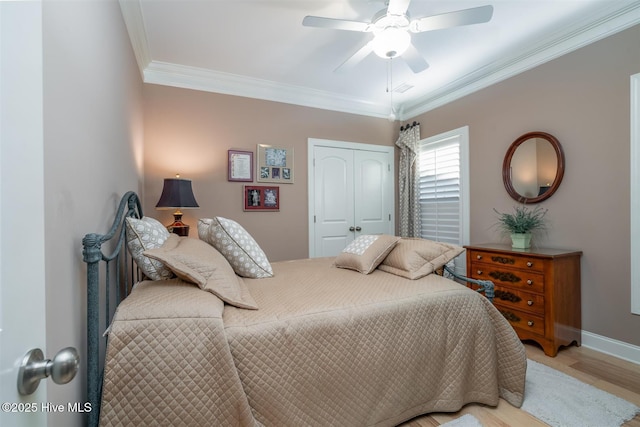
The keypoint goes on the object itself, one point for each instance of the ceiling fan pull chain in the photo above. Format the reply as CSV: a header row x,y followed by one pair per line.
x,y
392,113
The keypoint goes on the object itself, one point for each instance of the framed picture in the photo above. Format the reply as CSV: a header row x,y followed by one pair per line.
x,y
240,166
261,198
275,164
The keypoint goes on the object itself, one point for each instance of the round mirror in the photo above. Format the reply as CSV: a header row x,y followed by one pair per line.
x,y
533,167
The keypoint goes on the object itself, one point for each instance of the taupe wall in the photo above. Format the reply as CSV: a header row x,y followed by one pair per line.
x,y
189,132
94,136
93,144
583,100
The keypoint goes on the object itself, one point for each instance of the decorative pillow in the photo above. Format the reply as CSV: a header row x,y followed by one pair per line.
x,y
366,252
143,234
197,262
414,258
237,246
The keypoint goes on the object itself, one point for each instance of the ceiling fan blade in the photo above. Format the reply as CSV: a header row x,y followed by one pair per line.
x,y
476,15
355,59
398,7
336,24
414,59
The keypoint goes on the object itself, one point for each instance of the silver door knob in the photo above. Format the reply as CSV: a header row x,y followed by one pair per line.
x,y
34,367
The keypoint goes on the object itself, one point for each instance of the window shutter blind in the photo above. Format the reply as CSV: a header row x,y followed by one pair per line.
x,y
440,190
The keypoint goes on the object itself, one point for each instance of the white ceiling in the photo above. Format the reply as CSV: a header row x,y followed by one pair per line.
x,y
260,49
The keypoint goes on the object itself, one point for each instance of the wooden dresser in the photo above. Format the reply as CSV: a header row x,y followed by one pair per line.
x,y
537,290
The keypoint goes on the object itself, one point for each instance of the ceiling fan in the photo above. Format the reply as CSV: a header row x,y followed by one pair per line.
x,y
392,27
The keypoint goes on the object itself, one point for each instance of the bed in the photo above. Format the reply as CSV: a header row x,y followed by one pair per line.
x,y
306,344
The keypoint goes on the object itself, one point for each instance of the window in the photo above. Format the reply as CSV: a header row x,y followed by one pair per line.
x,y
444,189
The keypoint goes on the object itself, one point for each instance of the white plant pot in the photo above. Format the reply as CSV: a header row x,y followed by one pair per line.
x,y
521,240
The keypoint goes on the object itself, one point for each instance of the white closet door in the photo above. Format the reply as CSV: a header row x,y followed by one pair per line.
x,y
351,193
334,207
372,175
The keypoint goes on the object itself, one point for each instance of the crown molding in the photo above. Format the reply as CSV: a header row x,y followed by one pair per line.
x,y
549,49
168,74
610,22
134,21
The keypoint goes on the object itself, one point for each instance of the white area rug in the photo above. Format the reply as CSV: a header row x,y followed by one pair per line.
x,y
467,420
563,401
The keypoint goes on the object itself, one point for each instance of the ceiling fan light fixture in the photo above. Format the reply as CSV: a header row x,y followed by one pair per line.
x,y
391,42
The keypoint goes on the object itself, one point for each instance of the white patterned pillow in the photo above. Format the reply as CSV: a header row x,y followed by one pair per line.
x,y
143,234
366,252
238,247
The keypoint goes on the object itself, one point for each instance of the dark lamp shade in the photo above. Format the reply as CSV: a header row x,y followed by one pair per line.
x,y
177,194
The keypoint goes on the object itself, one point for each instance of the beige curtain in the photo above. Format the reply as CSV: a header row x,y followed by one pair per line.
x,y
409,180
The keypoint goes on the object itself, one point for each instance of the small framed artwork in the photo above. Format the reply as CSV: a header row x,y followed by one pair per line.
x,y
275,164
240,166
261,198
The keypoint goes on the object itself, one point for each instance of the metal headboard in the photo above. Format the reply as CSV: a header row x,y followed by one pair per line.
x,y
484,286
120,273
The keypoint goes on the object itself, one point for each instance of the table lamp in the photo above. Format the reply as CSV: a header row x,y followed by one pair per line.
x,y
177,194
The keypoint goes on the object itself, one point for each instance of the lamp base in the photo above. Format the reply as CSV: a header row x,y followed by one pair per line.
x,y
178,227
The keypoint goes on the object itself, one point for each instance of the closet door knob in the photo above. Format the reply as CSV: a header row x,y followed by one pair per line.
x,y
352,228
358,228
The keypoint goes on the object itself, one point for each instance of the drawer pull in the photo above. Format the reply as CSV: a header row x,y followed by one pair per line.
x,y
479,257
530,323
529,282
479,272
529,302
529,264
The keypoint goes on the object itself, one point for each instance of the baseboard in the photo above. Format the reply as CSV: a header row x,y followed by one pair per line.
x,y
610,346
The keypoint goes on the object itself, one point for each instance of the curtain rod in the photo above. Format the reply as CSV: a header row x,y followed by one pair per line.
x,y
408,126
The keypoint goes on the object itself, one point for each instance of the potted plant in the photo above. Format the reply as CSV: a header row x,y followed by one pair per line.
x,y
521,224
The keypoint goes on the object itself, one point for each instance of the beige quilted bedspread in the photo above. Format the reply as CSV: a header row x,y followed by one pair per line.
x,y
327,347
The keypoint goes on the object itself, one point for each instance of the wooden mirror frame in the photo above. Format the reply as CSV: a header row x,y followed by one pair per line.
x,y
506,167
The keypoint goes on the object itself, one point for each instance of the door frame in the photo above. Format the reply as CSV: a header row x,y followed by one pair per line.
x,y
22,209
635,193
312,143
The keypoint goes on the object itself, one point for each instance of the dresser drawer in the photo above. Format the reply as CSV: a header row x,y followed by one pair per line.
x,y
523,261
522,320
518,300
525,280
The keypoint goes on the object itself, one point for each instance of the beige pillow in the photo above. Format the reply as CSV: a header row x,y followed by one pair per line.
x,y
197,262
414,258
366,252
238,247
143,234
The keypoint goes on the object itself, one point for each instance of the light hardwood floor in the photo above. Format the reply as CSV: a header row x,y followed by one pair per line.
x,y
606,372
